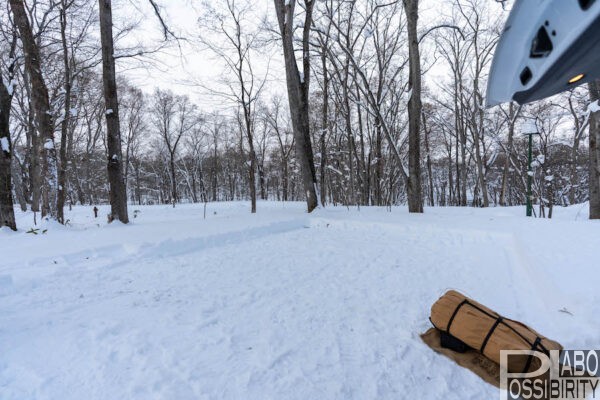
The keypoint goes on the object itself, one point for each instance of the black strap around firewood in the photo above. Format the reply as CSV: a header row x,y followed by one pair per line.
x,y
533,348
454,314
489,335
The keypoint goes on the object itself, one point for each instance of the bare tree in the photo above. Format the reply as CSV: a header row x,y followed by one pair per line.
x,y
133,105
7,214
415,195
118,191
456,53
576,102
174,118
273,116
193,165
64,126
41,106
352,70
237,48
298,85
512,116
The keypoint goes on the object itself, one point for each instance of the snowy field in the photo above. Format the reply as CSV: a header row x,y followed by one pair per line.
x,y
278,305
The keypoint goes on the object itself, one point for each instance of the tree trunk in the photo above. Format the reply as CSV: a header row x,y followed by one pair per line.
x,y
285,180
512,116
118,191
363,169
252,154
477,125
138,189
415,198
579,129
18,183
263,181
430,193
298,91
41,106
64,126
215,169
174,195
349,133
35,176
324,128
7,213
594,167
378,163
252,181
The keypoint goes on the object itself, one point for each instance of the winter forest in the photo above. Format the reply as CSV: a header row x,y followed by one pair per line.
x,y
334,102
294,199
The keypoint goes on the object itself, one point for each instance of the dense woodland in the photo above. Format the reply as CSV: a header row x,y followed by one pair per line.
x,y
364,119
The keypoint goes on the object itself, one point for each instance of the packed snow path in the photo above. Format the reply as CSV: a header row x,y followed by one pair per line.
x,y
278,305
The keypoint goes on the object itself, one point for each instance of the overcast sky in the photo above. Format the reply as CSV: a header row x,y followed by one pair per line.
x,y
187,69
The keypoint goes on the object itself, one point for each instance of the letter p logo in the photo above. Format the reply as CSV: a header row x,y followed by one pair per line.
x,y
510,382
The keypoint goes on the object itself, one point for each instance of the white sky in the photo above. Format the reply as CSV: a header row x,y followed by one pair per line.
x,y
186,69
176,70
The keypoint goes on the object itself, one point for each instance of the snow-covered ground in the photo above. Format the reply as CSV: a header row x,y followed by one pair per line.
x,y
278,305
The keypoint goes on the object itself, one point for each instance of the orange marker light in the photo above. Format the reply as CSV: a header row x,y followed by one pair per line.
x,y
576,79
